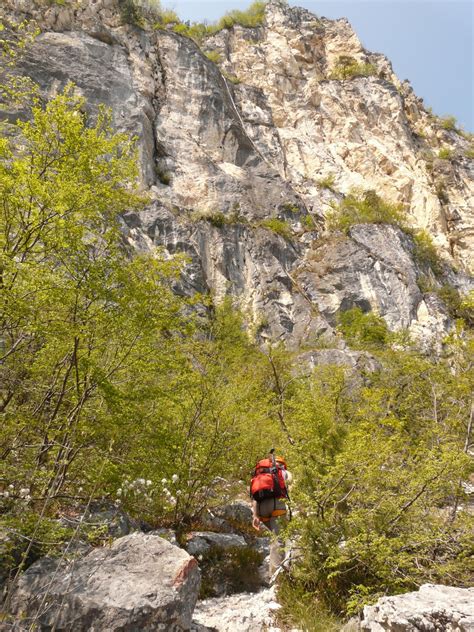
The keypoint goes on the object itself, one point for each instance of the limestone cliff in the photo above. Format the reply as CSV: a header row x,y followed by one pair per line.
x,y
267,131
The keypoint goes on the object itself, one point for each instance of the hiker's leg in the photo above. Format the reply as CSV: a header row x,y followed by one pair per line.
x,y
277,551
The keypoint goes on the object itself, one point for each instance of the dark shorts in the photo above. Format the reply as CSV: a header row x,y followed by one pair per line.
x,y
271,508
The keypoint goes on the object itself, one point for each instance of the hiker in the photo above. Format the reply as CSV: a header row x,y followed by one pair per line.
x,y
269,492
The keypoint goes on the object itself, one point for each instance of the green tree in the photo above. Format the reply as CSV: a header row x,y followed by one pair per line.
x,y
381,493
86,330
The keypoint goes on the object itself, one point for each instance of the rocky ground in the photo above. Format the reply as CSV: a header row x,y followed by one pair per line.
x,y
143,581
245,612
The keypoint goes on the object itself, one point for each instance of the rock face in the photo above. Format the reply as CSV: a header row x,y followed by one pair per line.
x,y
141,582
243,159
431,609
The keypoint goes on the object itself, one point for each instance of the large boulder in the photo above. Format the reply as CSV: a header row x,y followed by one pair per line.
x,y
432,608
142,582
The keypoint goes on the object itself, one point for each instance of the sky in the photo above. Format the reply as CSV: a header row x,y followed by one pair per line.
x,y
429,42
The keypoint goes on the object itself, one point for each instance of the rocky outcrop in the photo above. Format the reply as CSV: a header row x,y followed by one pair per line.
x,y
141,582
432,608
243,158
367,132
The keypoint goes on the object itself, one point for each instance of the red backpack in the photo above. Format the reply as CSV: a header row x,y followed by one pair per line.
x,y
268,481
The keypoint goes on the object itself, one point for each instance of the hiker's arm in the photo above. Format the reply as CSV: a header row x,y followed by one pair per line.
x,y
256,519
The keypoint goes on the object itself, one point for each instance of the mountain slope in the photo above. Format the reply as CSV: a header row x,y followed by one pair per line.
x,y
244,158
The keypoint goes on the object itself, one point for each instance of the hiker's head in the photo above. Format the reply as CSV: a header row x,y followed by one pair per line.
x,y
281,461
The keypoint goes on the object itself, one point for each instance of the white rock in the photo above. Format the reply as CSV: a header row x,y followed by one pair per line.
x,y
433,608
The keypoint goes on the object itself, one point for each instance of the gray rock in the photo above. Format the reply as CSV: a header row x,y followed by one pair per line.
x,y
356,360
210,521
167,534
111,520
141,582
200,542
433,608
353,625
238,512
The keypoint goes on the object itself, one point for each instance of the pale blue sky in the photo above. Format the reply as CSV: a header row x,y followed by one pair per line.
x,y
429,42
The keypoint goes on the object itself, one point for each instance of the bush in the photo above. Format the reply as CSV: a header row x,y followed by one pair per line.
x,y
130,13
367,208
445,153
219,219
232,78
449,123
196,31
251,17
214,56
327,182
469,153
458,307
301,608
168,16
425,251
347,68
381,492
278,226
163,176
363,330
290,207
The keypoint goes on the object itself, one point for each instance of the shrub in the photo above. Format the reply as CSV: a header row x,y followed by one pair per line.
x,y
232,78
130,13
169,17
442,193
445,153
469,153
381,490
347,68
219,219
327,182
163,176
251,17
425,251
301,608
198,31
289,207
308,223
278,226
367,208
458,307
361,329
214,56
449,123
215,218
